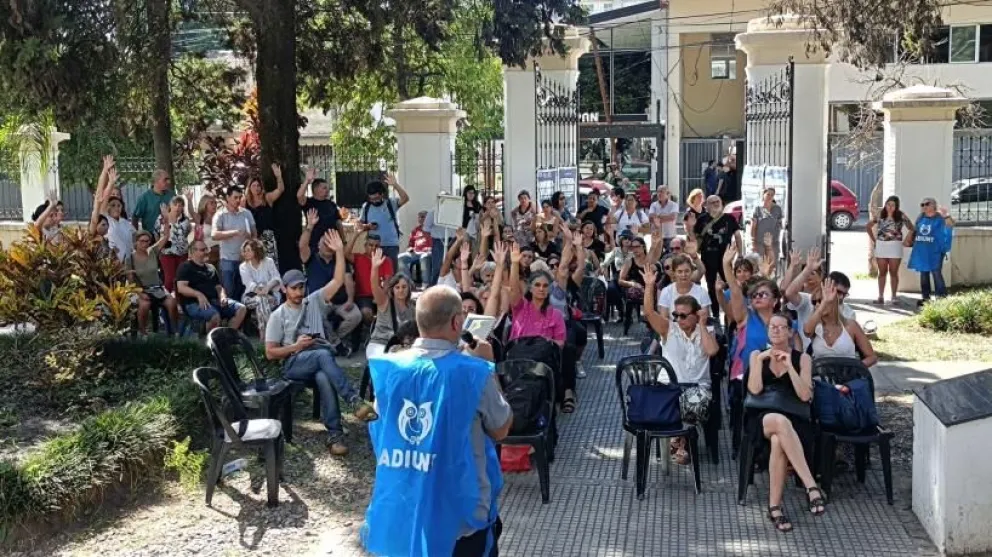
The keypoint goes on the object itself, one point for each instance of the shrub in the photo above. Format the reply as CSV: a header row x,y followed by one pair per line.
x,y
71,469
188,464
970,312
69,284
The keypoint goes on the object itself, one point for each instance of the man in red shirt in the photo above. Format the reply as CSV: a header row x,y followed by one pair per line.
x,y
418,251
363,271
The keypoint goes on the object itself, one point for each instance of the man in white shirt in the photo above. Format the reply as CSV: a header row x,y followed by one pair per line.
x,y
666,212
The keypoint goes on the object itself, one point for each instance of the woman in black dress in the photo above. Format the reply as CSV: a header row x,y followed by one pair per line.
x,y
786,369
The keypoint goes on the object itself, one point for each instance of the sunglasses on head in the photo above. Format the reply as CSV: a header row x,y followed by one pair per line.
x,y
680,316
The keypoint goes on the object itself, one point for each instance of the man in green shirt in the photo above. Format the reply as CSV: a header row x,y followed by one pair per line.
x,y
150,203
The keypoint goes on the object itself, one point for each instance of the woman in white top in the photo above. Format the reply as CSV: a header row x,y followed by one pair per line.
x,y
630,217
203,227
833,335
682,272
262,282
688,347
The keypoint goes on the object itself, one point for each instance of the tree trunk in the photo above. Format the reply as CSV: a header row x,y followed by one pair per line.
x,y
399,57
278,130
161,56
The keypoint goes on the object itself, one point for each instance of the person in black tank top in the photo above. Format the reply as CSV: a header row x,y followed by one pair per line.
x,y
790,371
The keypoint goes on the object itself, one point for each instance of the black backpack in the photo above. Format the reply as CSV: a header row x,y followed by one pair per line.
x,y
392,214
527,396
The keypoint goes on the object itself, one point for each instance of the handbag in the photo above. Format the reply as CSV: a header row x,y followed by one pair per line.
x,y
775,398
654,405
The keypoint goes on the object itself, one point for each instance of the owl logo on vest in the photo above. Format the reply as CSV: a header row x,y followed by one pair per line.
x,y
924,230
415,422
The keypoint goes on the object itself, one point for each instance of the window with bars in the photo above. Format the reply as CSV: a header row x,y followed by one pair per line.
x,y
723,57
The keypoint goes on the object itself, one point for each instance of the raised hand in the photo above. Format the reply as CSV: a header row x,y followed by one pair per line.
x,y
312,218
829,291
515,254
720,285
813,260
334,241
112,178
390,179
690,249
378,258
311,174
460,234
465,254
943,211
108,162
499,254
730,255
487,228
163,209
480,260
650,277
277,170
795,258
566,233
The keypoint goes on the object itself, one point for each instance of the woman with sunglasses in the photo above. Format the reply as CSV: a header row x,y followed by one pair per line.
x,y
780,365
833,335
931,243
688,347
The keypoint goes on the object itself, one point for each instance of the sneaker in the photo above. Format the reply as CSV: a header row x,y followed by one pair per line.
x,y
580,371
336,446
364,411
342,350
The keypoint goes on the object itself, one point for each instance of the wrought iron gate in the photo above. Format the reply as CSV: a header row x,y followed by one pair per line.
x,y
556,122
769,128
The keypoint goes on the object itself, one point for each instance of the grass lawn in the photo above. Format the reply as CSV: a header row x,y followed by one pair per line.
x,y
906,340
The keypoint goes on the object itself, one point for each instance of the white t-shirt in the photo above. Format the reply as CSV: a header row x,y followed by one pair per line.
x,y
631,222
669,295
120,236
449,280
668,229
805,309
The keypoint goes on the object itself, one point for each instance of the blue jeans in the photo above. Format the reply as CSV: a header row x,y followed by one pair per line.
x,y
194,311
938,283
318,364
230,278
393,253
423,260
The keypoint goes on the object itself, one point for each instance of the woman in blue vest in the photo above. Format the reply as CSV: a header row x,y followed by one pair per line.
x,y
437,479
931,242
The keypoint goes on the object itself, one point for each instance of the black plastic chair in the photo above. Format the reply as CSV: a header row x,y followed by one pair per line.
x,y
837,371
270,396
544,438
592,303
645,370
245,433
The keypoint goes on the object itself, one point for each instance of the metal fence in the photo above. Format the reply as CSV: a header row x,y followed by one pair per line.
x,y
479,165
859,167
10,194
135,175
556,123
694,156
347,174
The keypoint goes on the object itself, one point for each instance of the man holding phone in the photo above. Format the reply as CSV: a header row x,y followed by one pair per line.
x,y
378,214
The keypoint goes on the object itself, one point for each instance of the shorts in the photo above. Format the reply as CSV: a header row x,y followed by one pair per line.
x,y
194,311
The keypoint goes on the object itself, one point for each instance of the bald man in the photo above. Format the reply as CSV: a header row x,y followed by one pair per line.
x,y
441,412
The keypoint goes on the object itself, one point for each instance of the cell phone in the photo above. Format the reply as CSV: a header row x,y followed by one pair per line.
x,y
549,227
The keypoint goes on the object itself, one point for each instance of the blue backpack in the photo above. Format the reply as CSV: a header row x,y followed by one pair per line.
x,y
853,412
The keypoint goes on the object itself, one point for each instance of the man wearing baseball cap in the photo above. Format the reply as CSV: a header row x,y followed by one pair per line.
x,y
295,334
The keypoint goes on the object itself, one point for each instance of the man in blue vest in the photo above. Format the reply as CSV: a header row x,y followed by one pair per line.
x,y
437,478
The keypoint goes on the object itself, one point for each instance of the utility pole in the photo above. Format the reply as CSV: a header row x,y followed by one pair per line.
x,y
602,90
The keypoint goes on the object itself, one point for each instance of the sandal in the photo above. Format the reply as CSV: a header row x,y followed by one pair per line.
x,y
817,505
780,521
879,302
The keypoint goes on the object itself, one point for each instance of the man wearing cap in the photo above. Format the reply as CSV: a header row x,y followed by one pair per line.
x,y
418,251
295,334
378,214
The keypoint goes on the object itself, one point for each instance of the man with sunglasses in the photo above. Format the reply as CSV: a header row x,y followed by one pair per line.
x,y
714,231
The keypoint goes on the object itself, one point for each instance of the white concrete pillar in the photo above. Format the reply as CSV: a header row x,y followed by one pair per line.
x,y
658,109
38,178
769,44
425,143
519,125
918,154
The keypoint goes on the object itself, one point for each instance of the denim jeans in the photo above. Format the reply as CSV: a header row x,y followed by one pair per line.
x,y
318,364
230,278
409,260
938,283
393,253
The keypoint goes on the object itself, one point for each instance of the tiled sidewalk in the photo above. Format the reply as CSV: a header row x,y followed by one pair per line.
x,y
593,512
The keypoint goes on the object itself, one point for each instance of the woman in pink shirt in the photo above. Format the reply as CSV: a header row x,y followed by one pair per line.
x,y
533,315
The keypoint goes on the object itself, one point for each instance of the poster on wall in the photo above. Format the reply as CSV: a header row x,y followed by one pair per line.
x,y
568,185
547,184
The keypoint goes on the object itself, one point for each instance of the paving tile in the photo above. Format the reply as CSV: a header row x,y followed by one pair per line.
x,y
593,512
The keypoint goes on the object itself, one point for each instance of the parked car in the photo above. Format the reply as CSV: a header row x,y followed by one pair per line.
x,y
973,190
844,208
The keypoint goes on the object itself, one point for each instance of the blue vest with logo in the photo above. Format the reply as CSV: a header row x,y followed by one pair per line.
x,y
426,484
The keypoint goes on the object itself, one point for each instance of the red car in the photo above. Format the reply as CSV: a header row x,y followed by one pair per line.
x,y
844,207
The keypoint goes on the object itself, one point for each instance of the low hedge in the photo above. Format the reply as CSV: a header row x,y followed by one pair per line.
x,y
132,399
970,312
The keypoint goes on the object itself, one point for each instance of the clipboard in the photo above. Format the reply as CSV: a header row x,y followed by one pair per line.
x,y
449,211
481,326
